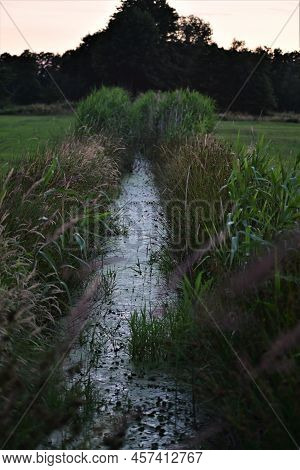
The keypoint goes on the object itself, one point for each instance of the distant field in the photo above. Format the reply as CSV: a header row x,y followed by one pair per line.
x,y
20,135
284,137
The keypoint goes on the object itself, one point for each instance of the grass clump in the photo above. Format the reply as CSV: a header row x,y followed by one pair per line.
x,y
168,116
153,337
192,174
152,118
106,110
156,338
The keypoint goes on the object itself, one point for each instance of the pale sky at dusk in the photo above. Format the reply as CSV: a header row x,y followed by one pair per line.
x,y
58,25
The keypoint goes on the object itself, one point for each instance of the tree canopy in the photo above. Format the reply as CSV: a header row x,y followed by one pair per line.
x,y
146,45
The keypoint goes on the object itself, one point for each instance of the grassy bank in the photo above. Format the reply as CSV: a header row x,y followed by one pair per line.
x,y
157,118
53,216
233,219
233,333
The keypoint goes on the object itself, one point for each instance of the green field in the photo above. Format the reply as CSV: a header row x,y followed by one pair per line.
x,y
20,135
282,137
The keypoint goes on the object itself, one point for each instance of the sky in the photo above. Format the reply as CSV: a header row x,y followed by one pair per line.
x,y
58,25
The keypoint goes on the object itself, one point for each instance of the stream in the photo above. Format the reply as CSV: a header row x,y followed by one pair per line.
x,y
139,408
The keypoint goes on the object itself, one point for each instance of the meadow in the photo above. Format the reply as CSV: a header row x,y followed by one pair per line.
x,y
233,222
283,138
21,134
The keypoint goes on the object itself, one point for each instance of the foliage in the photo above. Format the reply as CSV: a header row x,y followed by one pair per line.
x,y
238,309
159,117
128,61
105,110
146,46
193,30
265,201
150,118
53,211
163,15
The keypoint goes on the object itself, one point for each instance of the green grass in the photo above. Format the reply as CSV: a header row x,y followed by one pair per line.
x,y
239,300
162,117
21,135
284,137
105,110
52,209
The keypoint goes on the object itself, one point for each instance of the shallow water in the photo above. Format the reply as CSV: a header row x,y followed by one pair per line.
x,y
139,409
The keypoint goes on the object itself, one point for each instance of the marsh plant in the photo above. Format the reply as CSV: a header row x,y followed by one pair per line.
x,y
105,111
44,253
239,294
151,118
159,117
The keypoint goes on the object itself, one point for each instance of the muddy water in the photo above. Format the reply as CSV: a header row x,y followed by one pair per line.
x,y
140,409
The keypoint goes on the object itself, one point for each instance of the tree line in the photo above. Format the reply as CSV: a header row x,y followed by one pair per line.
x,y
147,45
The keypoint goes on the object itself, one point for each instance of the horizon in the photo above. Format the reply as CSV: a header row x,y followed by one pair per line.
x,y
43,22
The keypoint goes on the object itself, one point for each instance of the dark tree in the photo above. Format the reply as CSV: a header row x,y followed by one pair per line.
x,y
193,30
21,83
129,51
164,16
146,45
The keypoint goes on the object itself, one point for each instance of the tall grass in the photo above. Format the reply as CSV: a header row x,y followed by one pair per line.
x,y
164,117
151,118
240,297
192,174
53,211
264,200
106,110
